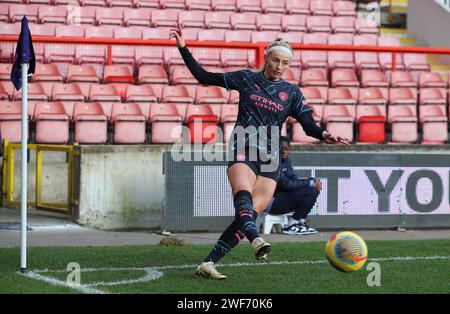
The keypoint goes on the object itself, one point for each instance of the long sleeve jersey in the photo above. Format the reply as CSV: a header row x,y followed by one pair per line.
x,y
262,103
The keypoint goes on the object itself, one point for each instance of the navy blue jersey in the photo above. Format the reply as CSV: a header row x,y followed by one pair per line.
x,y
262,103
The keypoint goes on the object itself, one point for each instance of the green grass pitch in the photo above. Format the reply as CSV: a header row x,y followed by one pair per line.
x,y
297,268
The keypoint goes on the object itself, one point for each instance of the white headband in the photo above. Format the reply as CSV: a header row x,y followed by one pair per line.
x,y
282,48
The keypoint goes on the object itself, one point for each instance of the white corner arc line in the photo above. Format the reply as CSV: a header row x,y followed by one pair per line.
x,y
153,273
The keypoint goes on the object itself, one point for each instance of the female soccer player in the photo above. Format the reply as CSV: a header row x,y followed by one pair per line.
x,y
265,101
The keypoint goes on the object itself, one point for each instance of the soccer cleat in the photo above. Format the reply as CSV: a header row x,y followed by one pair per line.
x,y
261,248
299,229
208,270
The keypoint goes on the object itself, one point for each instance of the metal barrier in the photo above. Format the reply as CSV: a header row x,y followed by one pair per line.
x,y
8,176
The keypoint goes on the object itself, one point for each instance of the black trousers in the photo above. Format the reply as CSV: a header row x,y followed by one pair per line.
x,y
299,201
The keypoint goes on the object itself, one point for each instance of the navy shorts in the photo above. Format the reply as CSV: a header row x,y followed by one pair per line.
x,y
264,167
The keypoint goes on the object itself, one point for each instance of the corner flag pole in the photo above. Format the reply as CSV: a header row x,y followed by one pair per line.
x,y
23,203
24,65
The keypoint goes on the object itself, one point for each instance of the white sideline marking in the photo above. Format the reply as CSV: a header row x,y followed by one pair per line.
x,y
153,273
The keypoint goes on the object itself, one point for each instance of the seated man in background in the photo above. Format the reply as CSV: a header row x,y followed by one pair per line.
x,y
294,195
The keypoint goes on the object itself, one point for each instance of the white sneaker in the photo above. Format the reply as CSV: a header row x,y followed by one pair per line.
x,y
208,270
261,248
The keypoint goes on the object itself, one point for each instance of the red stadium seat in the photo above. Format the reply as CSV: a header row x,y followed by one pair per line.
x,y
148,55
228,118
366,60
402,79
147,4
156,33
105,31
99,92
42,29
18,11
434,124
339,120
373,78
101,3
129,123
178,93
371,123
264,36
6,89
298,134
172,4
366,26
344,8
321,7
343,96
433,96
182,75
198,5
248,5
52,14
343,24
132,32
165,18
344,78
269,22
152,74
5,71
373,96
202,124
238,36
82,73
118,74
166,123
109,16
90,54
123,54
141,93
139,17
36,91
207,56
293,23
11,120
4,12
69,31
235,57
315,95
67,92
243,21
223,5
318,24
311,58
210,95
313,77
81,14
293,38
298,7
416,62
402,96
172,56
59,53
340,59
220,19
191,19
431,79
403,120
46,73
120,3
52,123
273,6
386,57
234,97
91,123
211,35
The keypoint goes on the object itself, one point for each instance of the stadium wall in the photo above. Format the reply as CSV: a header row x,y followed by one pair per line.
x,y
428,22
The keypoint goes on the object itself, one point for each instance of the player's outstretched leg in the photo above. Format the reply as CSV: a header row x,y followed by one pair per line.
x,y
243,204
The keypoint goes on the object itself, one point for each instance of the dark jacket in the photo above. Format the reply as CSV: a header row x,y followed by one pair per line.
x,y
289,181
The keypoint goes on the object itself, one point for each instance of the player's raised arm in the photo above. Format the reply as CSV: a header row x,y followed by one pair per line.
x,y
203,77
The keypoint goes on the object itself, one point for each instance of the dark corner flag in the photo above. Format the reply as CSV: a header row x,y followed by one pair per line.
x,y
23,66
24,54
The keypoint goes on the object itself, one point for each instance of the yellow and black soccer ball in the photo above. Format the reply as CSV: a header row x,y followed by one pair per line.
x,y
346,251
